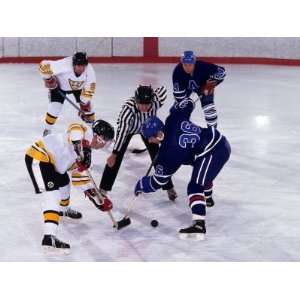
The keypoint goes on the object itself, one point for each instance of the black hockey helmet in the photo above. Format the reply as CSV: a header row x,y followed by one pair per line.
x,y
80,58
103,128
144,94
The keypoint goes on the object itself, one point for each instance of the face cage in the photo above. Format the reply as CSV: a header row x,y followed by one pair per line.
x,y
102,141
162,136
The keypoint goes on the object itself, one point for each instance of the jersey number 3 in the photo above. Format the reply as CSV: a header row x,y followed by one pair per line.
x,y
190,135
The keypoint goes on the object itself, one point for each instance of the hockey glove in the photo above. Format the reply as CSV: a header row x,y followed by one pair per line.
x,y
51,83
85,163
92,195
144,186
86,113
209,87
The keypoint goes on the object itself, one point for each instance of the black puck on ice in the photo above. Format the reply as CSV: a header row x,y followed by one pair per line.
x,y
154,223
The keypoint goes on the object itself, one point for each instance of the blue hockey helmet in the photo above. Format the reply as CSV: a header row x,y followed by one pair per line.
x,y
151,127
188,57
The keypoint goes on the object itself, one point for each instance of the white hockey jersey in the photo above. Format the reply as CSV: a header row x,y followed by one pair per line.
x,y
62,69
58,149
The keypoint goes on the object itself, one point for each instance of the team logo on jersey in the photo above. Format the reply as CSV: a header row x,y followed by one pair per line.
x,y
76,85
50,184
193,86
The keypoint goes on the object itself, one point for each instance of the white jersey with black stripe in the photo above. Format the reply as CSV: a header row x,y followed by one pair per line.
x,y
61,148
130,119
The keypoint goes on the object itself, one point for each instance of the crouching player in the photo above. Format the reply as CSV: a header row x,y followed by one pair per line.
x,y
184,143
56,155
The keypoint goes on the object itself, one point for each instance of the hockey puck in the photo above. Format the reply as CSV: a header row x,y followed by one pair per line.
x,y
154,223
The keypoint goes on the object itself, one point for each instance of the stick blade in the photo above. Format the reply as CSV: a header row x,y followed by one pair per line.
x,y
138,151
123,223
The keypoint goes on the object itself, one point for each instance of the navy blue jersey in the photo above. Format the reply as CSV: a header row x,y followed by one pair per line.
x,y
205,149
184,141
184,84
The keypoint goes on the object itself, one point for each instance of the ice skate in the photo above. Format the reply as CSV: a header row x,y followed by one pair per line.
x,y
196,231
52,245
70,213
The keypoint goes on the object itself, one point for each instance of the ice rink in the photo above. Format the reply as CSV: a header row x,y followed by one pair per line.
x,y
257,211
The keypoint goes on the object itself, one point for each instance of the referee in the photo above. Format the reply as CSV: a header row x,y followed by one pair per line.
x,y
134,113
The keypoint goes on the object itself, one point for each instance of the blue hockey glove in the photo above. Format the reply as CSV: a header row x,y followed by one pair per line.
x,y
144,186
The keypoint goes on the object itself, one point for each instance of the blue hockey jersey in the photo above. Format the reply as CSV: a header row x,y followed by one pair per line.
x,y
185,84
184,141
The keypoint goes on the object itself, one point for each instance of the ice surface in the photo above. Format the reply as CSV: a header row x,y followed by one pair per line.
x,y
257,211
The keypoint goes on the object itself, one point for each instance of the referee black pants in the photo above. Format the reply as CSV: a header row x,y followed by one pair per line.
x,y
109,174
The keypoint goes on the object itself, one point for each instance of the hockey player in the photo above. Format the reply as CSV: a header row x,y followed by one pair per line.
x,y
70,75
57,154
192,76
184,143
195,76
134,113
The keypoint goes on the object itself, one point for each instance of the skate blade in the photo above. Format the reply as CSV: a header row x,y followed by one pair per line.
x,y
52,251
192,236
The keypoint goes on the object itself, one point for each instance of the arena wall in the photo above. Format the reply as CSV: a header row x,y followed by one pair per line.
x,y
246,50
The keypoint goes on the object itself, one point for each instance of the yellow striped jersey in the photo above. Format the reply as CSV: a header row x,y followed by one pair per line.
x,y
58,148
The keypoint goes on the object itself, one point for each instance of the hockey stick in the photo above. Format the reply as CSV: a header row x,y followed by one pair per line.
x,y
100,199
126,219
71,102
138,151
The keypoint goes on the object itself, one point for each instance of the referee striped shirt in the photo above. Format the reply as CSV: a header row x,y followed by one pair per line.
x,y
130,119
